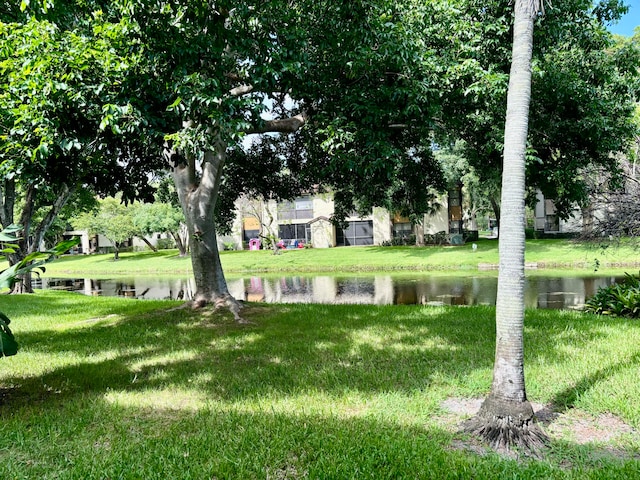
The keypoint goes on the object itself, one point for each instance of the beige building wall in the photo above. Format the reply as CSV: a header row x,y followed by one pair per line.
x,y
322,205
545,208
322,233
439,221
382,228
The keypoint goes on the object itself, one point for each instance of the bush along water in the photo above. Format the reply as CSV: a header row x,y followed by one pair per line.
x,y
619,300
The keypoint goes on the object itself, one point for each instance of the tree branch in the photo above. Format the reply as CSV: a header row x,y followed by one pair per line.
x,y
51,215
284,125
241,90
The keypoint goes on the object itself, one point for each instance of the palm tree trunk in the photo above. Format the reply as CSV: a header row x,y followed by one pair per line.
x,y
506,418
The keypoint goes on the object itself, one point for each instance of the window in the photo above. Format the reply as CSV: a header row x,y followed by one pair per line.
x,y
357,233
402,230
552,223
249,234
250,228
300,209
295,231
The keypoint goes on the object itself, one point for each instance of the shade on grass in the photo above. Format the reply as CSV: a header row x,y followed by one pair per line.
x,y
115,388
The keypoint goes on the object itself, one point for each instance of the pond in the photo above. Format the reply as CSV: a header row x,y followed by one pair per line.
x,y
384,289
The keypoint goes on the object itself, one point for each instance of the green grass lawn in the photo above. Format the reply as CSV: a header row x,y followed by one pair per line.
x,y
546,253
126,389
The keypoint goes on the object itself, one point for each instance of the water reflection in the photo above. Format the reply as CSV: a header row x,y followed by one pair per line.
x,y
540,292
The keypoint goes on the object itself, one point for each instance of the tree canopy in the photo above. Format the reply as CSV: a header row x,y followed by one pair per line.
x,y
99,94
584,89
55,110
112,219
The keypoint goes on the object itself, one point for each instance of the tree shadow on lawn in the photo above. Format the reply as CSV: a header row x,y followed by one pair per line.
x,y
290,350
367,349
568,397
214,443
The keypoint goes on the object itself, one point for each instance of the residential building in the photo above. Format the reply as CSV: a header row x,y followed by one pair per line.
x,y
306,220
548,221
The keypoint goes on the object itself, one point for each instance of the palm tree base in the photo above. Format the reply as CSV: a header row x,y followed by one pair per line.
x,y
507,426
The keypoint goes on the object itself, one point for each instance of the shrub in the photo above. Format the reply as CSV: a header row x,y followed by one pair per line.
x,y
165,243
619,300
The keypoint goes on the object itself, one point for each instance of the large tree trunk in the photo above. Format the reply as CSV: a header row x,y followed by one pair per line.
x,y
7,202
198,200
506,417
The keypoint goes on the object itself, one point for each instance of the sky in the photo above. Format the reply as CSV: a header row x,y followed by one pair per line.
x,y
630,21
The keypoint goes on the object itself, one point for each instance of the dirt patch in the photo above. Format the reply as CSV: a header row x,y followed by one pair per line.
x,y
605,431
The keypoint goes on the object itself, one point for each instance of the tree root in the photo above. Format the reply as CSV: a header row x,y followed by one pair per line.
x,y
220,302
508,426
234,307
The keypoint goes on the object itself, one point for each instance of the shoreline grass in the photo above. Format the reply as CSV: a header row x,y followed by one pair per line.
x,y
118,388
543,254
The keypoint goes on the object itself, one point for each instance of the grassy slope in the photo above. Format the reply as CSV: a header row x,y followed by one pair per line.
x,y
115,388
558,253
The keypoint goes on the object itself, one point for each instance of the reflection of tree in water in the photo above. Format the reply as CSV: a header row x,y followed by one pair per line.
x,y
294,284
355,290
541,292
407,294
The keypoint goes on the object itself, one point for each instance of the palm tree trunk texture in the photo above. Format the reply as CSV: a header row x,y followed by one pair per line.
x,y
506,418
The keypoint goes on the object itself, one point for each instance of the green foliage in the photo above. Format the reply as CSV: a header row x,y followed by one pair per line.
x,y
618,300
584,92
8,344
165,243
34,261
157,217
113,219
61,106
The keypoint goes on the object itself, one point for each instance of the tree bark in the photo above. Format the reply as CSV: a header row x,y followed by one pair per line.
x,y
179,243
496,211
149,244
418,230
506,418
198,200
7,202
42,228
32,238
